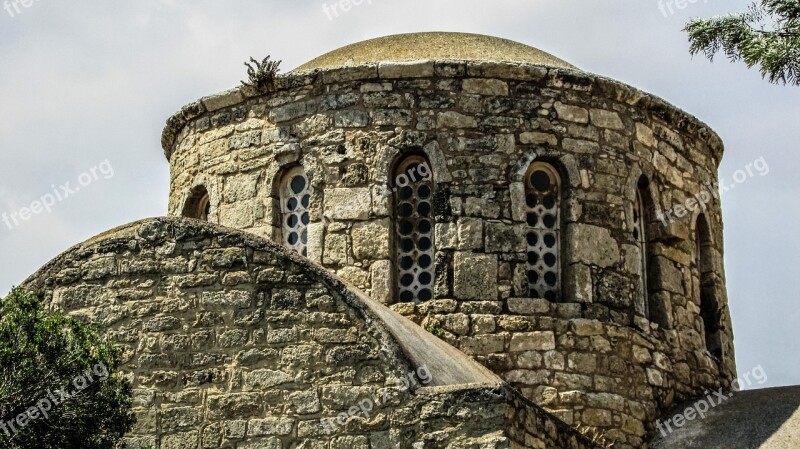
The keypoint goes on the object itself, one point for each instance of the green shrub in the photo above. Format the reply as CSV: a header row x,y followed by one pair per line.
x,y
59,388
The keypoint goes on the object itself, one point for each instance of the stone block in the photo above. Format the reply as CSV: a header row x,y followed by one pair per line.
x,y
348,204
241,187
222,100
475,276
529,306
261,443
582,363
484,86
645,135
446,236
587,328
278,426
183,440
316,241
451,119
538,138
335,252
264,378
533,341
578,284
355,276
592,245
606,119
411,69
382,285
470,233
483,344
580,146
352,119
371,239
572,113
505,238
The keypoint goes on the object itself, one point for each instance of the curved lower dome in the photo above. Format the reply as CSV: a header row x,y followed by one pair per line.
x,y
433,46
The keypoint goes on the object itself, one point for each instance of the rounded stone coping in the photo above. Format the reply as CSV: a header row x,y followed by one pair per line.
x,y
562,77
436,46
405,342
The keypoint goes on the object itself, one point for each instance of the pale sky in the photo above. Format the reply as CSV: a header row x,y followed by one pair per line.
x,y
85,88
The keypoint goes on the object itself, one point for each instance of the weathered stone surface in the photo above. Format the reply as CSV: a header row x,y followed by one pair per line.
x,y
455,120
606,119
572,113
348,204
335,250
382,286
533,341
538,138
412,69
485,86
504,238
473,276
305,355
593,245
371,239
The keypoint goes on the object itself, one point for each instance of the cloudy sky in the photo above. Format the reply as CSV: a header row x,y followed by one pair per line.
x,y
85,87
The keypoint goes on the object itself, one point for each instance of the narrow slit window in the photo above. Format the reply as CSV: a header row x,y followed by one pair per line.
x,y
198,205
543,205
295,193
709,305
414,225
640,236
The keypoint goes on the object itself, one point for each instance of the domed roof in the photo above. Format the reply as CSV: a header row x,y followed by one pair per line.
x,y
433,46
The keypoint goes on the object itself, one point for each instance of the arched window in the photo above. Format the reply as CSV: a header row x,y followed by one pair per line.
x,y
414,224
198,205
543,206
295,195
709,306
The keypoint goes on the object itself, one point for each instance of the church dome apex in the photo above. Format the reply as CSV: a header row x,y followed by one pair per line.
x,y
434,46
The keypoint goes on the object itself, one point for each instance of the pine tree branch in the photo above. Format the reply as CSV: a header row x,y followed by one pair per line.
x,y
744,37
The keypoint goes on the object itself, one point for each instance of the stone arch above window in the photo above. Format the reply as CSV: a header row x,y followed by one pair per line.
x,y
543,215
295,196
413,187
709,303
198,204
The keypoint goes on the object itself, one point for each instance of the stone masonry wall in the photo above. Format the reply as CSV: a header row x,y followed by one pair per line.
x,y
231,343
592,357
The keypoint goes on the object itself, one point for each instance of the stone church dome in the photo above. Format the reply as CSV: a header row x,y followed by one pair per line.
x,y
541,241
435,46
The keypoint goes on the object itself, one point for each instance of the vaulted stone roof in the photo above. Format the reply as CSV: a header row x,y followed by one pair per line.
x,y
258,335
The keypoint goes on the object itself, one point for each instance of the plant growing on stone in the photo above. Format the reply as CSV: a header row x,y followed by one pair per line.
x,y
596,437
436,329
262,74
58,383
767,35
